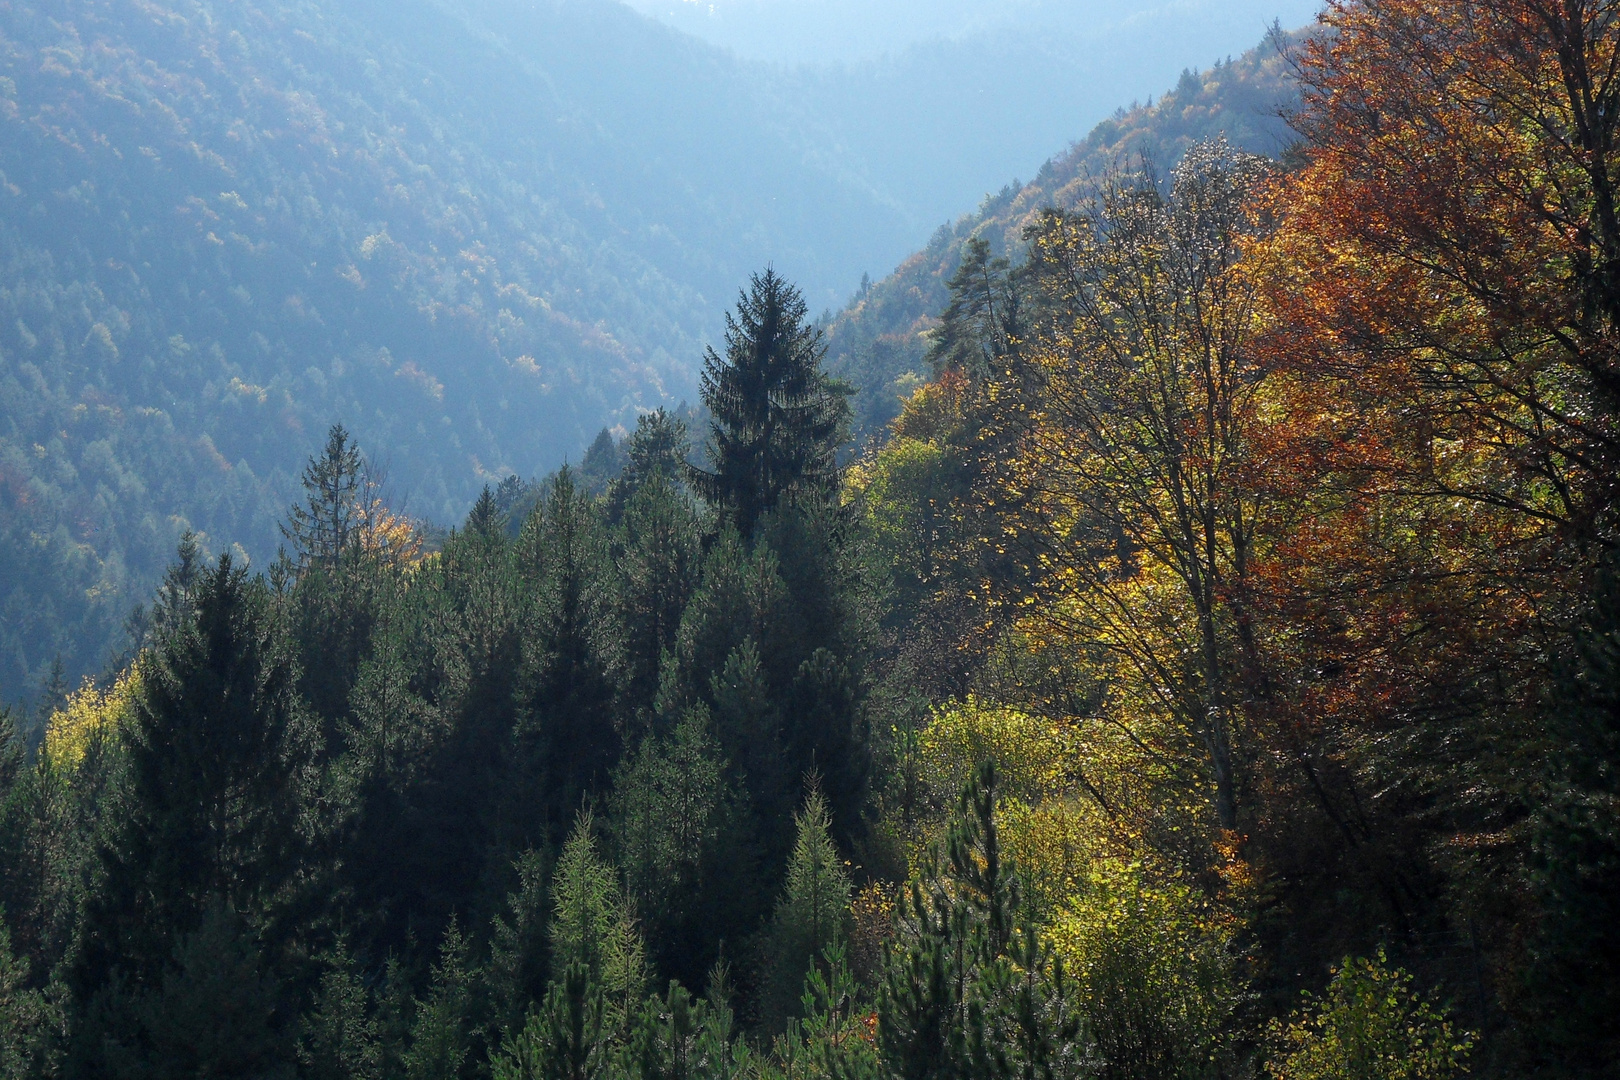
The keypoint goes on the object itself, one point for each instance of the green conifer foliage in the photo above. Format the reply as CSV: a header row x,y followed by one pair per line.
x,y
25,1016
172,610
516,974
217,1011
12,753
326,525
657,448
980,324
593,925
686,869
440,1036
972,987
741,595
832,1039
341,1039
659,553
1575,870
569,716
53,694
679,1038
563,1040
585,902
777,417
749,727
813,913
216,788
339,580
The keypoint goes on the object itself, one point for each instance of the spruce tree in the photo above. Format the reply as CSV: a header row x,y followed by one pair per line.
x,y
440,1037
777,417
568,699
516,974
215,788
325,526
1575,867
341,1040
813,914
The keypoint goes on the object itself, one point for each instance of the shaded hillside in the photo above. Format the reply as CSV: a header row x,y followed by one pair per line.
x,y
879,341
474,232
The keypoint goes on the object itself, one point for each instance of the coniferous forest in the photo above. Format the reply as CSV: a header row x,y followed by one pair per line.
x,y
1211,671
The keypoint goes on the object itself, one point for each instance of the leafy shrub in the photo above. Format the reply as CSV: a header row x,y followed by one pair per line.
x,y
1370,1025
1156,970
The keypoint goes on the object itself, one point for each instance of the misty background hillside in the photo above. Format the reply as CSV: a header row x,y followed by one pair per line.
x,y
476,232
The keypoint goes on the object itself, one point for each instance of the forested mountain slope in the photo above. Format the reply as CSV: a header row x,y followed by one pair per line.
x,y
473,231
879,341
937,102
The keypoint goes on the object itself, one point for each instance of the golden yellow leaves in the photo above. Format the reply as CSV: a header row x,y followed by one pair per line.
x,y
89,716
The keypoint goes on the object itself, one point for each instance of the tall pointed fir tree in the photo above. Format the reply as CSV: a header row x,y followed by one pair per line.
x,y
568,724
337,591
777,417
210,843
812,916
322,528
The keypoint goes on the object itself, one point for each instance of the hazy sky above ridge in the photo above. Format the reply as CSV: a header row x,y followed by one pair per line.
x,y
815,31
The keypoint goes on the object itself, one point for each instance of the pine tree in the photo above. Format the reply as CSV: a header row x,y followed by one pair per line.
x,y
980,326
564,1039
972,988
216,766
777,418
677,1038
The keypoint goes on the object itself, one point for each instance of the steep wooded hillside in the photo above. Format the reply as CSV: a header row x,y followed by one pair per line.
x,y
879,341
472,231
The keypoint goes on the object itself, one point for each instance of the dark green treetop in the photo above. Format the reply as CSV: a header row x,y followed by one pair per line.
x,y
777,417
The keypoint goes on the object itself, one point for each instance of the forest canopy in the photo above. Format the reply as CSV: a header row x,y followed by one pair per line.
x,y
1213,670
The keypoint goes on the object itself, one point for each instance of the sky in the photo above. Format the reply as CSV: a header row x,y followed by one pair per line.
x,y
830,31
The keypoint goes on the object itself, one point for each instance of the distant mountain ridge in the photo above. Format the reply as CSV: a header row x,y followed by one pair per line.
x,y
225,224
880,340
